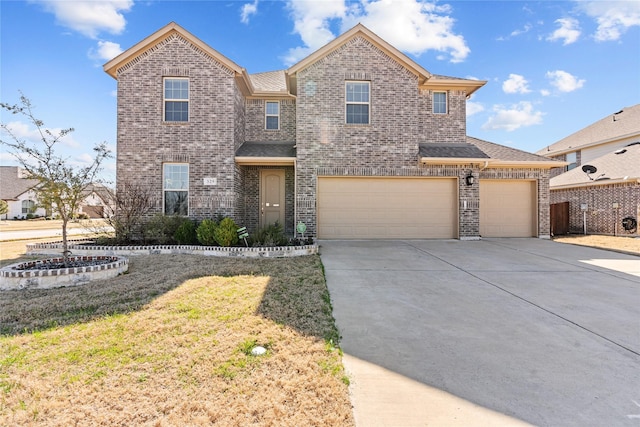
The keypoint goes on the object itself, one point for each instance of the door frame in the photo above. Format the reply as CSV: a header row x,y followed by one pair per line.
x,y
262,195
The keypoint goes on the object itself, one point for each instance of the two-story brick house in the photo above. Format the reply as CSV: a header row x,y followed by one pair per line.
x,y
356,141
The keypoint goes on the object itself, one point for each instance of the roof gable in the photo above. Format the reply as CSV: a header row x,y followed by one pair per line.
x,y
131,55
425,78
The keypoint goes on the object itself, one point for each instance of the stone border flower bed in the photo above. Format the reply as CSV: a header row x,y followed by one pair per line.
x,y
77,248
31,275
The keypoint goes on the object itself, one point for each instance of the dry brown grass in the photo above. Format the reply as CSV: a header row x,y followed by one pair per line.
x,y
617,243
169,343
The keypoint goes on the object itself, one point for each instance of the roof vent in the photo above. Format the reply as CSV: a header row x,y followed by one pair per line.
x,y
615,114
633,143
621,151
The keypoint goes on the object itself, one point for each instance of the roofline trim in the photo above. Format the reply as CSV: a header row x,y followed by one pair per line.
x,y
590,145
377,40
595,183
112,66
470,86
259,161
492,163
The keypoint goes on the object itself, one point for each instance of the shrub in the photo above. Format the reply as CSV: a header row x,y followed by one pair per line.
x,y
271,235
186,233
226,233
205,233
160,229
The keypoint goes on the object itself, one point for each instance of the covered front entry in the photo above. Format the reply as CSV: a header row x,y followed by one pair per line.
x,y
387,208
508,208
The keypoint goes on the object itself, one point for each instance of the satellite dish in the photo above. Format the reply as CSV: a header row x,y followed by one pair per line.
x,y
589,169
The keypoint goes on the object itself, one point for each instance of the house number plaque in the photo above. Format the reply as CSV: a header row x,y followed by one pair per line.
x,y
210,181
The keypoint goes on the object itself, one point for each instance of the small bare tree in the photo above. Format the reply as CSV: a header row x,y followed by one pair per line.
x,y
59,182
132,202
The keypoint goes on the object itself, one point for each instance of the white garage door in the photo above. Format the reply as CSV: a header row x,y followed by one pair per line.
x,y
508,208
387,208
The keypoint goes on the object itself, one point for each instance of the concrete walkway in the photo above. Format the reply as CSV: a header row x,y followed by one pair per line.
x,y
486,333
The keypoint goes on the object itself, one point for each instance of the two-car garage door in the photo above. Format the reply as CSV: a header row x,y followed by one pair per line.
x,y
420,208
387,208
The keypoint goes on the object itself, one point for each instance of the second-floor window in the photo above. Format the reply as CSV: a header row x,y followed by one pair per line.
x,y
175,186
572,160
272,118
176,100
440,102
357,100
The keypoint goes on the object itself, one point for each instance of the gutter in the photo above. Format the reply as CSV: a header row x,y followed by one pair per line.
x,y
595,183
492,163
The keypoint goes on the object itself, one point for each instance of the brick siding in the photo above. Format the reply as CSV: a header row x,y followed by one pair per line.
x,y
601,217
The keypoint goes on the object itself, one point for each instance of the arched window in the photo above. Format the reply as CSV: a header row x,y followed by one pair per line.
x,y
28,207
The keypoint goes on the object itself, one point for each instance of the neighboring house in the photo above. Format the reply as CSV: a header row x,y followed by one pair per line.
x,y
97,201
18,192
356,141
602,188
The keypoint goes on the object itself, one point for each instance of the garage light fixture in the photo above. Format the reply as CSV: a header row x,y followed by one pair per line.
x,y
470,179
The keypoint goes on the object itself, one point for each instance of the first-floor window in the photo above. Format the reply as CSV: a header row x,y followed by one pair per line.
x,y
440,102
175,183
28,206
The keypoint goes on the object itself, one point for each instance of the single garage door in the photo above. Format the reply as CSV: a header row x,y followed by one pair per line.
x,y
508,208
387,208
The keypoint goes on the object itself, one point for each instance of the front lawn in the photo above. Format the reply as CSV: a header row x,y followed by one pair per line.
x,y
170,344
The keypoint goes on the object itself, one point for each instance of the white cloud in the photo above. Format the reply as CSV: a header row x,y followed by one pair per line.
x,y
513,117
24,131
474,108
569,31
413,26
515,84
105,51
613,17
564,81
545,92
248,9
90,17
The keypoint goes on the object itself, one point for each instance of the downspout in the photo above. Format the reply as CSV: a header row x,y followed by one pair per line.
x,y
295,197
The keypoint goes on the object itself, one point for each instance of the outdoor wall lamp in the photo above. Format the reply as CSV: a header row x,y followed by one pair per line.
x,y
470,179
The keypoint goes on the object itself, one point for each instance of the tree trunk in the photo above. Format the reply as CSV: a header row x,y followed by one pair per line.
x,y
65,244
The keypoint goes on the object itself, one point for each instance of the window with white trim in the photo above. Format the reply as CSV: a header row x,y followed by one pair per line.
x,y
175,186
272,115
440,102
28,207
357,102
176,99
571,158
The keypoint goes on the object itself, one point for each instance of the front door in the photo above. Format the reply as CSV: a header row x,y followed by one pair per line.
x,y
271,196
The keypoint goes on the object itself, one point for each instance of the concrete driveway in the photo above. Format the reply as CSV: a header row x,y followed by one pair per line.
x,y
491,332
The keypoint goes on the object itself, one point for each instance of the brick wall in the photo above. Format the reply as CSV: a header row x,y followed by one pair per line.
x,y
601,217
206,142
400,118
255,124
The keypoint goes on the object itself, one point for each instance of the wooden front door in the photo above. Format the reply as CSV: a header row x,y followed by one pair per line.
x,y
271,196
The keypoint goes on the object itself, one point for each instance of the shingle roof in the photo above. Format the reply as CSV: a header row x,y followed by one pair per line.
x,y
613,126
11,185
267,149
502,152
451,150
616,165
271,81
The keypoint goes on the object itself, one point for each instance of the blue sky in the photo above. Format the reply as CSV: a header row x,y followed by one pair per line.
x,y
552,67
